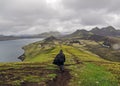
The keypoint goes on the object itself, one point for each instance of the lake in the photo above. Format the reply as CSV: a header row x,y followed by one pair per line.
x,y
10,50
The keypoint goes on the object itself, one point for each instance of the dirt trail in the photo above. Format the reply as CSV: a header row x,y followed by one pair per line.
x,y
31,84
61,79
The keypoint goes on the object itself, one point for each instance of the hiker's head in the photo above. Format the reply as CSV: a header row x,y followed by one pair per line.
x,y
61,51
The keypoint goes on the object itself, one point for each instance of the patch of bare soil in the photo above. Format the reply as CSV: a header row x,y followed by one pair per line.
x,y
31,84
12,74
62,79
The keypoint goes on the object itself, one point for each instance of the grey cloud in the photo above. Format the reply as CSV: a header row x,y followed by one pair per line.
x,y
24,14
93,18
94,12
85,4
37,16
109,5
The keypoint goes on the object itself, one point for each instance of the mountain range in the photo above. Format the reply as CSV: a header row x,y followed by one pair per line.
x,y
100,32
42,35
106,31
93,33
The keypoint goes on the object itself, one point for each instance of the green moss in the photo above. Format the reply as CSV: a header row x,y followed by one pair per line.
x,y
92,75
32,78
52,75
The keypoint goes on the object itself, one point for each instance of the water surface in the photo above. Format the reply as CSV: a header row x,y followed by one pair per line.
x,y
10,50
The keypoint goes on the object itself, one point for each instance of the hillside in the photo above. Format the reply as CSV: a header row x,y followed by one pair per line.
x,y
106,47
105,42
47,34
79,34
112,54
82,68
95,32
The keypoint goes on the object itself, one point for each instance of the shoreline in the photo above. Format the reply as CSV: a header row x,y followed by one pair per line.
x,y
16,52
22,57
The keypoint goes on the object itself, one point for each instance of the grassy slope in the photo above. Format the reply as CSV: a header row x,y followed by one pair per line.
x,y
106,53
91,71
87,73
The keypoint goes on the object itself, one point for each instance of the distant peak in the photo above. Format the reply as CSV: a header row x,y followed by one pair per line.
x,y
80,30
77,30
109,28
51,38
95,29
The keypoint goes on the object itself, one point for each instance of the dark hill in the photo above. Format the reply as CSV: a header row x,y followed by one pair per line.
x,y
94,30
97,34
50,39
47,34
97,38
106,31
79,34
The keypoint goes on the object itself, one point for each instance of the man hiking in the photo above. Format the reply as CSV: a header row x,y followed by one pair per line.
x,y
59,60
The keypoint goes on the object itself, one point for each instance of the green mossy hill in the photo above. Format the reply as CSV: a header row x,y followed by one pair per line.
x,y
85,67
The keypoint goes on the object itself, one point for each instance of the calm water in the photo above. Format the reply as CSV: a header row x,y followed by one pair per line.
x,y
12,49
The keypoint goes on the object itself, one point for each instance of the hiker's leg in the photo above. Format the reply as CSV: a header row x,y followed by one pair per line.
x,y
62,67
59,67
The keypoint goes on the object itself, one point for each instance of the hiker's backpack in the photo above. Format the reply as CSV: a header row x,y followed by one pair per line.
x,y
58,59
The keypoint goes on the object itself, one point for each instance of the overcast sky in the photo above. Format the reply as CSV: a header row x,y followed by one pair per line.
x,y
37,16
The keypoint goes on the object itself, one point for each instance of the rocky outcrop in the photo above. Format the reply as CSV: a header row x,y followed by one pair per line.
x,y
22,57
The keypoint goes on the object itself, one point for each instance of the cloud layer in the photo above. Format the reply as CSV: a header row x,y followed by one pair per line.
x,y
37,16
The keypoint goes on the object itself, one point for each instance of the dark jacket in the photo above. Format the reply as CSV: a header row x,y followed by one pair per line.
x,y
59,59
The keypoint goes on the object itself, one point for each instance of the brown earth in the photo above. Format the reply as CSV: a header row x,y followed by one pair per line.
x,y
10,74
61,79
